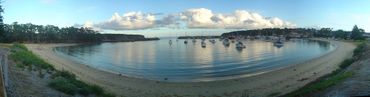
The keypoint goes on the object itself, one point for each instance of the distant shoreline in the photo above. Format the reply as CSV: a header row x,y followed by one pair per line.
x,y
282,81
198,37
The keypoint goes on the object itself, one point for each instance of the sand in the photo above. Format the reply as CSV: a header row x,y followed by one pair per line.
x,y
275,82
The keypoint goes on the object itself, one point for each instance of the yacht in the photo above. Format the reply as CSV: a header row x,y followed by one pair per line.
x,y
226,42
203,44
239,45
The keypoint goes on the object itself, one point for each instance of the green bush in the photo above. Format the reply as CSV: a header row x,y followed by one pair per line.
x,y
346,63
63,85
80,87
17,46
359,49
96,89
63,81
64,74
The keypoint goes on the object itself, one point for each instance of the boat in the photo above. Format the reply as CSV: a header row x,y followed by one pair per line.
x,y
279,42
203,39
203,44
186,42
226,42
239,45
170,42
212,41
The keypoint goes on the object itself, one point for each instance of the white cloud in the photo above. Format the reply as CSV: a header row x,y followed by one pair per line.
x,y
240,19
193,18
128,21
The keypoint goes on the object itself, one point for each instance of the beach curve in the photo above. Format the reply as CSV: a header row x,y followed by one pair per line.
x,y
280,81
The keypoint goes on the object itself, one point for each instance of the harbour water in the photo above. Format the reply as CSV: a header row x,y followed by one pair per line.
x,y
179,62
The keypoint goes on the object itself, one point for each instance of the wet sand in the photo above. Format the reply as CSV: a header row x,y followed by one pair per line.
x,y
275,82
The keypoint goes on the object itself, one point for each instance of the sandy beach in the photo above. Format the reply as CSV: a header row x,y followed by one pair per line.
x,y
279,81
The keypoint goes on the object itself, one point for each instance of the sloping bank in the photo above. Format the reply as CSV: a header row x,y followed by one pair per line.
x,y
319,87
57,79
272,83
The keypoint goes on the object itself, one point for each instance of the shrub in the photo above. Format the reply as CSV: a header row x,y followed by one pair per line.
x,y
63,81
63,85
359,49
64,74
346,63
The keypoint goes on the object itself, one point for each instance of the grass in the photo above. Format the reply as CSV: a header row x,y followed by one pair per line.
x,y
322,84
346,63
26,58
361,47
63,81
333,78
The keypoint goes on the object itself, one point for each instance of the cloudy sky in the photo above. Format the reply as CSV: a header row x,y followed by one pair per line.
x,y
160,18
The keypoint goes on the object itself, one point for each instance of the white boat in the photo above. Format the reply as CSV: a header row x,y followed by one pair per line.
x,y
239,45
203,44
212,41
226,42
186,42
279,42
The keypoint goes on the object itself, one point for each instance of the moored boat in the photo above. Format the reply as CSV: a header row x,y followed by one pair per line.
x,y
239,45
203,44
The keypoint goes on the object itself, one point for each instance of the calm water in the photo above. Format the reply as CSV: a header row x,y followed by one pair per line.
x,y
157,60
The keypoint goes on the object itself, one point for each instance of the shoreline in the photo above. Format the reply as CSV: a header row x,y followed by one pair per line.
x,y
280,81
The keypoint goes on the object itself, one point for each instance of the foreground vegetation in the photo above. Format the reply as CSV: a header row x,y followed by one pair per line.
x,y
333,78
60,80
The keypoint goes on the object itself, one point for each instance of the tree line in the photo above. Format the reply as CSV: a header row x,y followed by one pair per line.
x,y
355,34
31,33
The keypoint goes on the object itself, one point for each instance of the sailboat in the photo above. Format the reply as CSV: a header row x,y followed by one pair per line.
x,y
186,40
279,42
240,45
226,42
203,44
170,42
212,41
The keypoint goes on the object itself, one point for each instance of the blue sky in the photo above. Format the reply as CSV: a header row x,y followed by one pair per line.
x,y
337,14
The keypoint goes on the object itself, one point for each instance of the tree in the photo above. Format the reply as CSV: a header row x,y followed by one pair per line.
x,y
325,32
2,31
357,33
340,34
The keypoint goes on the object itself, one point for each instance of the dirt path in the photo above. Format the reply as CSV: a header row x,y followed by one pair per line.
x,y
4,77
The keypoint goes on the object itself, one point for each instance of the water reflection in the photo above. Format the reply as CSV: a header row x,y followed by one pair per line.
x,y
157,60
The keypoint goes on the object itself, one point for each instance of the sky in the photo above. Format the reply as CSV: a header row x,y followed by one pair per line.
x,y
162,18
